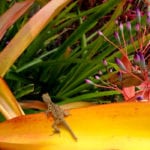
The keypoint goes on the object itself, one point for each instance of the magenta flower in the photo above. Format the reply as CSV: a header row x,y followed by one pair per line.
x,y
140,97
148,17
137,59
116,35
121,26
138,13
100,33
142,60
89,81
97,77
105,62
100,72
120,64
137,27
110,70
128,25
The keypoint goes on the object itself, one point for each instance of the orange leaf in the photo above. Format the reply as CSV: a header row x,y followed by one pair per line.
x,y
126,62
122,126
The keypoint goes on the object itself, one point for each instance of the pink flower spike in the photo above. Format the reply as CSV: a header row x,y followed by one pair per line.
x,y
120,64
142,60
137,27
100,33
140,97
88,81
137,59
148,20
138,14
148,13
121,26
128,25
110,70
116,22
116,35
97,77
105,62
100,72
148,17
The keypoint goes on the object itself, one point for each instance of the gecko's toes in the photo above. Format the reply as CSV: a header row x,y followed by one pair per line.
x,y
56,131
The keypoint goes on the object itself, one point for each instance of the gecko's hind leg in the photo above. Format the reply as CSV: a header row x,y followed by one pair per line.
x,y
56,129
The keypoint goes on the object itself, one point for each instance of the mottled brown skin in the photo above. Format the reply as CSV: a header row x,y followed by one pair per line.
x,y
58,115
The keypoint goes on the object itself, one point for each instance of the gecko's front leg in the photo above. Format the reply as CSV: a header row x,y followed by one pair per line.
x,y
47,112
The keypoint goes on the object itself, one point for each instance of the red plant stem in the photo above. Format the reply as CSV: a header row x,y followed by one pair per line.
x,y
132,41
109,87
140,39
120,49
124,42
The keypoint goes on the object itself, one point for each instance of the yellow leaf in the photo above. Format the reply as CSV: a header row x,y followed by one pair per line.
x,y
9,106
120,126
36,104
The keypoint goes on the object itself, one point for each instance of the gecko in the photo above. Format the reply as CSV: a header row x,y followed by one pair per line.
x,y
58,115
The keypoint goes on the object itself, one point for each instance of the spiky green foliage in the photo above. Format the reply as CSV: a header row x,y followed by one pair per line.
x,y
66,53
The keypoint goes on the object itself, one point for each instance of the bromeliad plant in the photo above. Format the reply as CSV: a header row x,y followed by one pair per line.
x,y
132,76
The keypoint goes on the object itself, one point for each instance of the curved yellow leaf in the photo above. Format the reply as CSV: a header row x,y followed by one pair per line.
x,y
9,106
36,104
120,126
